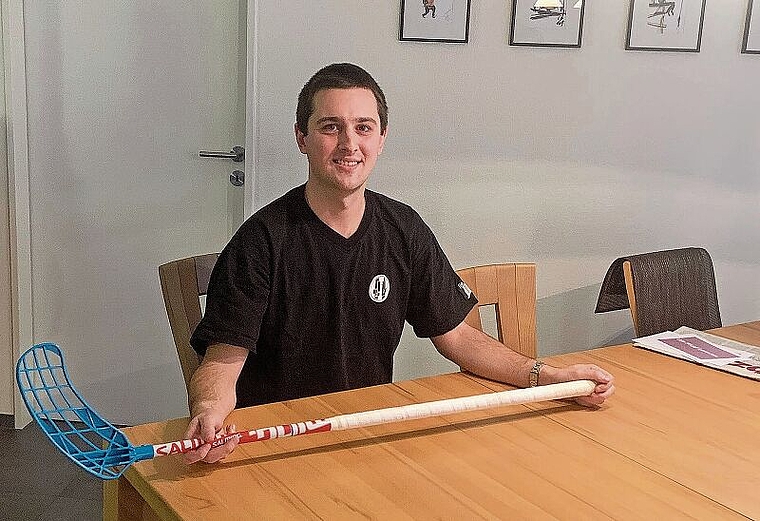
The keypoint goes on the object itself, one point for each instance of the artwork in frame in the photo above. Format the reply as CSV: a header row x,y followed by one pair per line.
x,y
547,23
435,21
665,25
751,42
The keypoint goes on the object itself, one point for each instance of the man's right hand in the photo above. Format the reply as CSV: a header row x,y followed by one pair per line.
x,y
208,427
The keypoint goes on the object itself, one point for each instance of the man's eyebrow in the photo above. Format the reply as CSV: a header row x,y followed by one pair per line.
x,y
332,119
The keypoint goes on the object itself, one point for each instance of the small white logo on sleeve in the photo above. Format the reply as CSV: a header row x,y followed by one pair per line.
x,y
379,288
465,289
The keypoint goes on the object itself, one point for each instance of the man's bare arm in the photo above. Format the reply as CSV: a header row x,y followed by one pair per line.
x,y
478,353
212,397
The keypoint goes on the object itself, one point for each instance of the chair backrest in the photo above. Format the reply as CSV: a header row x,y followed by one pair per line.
x,y
664,290
183,282
511,289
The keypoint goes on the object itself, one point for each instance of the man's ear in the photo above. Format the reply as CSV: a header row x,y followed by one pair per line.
x,y
300,138
383,135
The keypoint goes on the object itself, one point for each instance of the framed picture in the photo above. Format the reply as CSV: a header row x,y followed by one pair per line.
x,y
751,42
435,21
665,25
547,23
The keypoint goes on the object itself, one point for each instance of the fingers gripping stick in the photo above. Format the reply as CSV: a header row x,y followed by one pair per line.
x,y
104,451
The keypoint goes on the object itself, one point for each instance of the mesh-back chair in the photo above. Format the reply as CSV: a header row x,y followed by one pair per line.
x,y
511,289
183,282
664,290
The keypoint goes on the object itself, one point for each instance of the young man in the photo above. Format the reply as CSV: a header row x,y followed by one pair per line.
x,y
311,294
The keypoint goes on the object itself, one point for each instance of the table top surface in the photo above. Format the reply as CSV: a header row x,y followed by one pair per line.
x,y
676,441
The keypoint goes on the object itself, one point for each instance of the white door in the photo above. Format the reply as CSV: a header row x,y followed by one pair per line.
x,y
121,98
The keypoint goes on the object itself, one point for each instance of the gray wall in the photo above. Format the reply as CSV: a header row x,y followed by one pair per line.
x,y
564,157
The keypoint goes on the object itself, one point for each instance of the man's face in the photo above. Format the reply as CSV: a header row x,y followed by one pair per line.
x,y
343,138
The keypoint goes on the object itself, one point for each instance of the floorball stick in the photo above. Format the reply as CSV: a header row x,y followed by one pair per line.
x,y
104,451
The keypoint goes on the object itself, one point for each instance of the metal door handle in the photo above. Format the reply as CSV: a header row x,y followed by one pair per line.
x,y
237,154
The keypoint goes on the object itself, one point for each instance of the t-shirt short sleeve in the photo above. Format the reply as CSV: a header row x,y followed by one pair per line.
x,y
439,300
238,292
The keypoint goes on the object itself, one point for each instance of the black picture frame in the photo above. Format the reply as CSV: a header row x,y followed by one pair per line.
x,y
445,21
552,26
665,25
751,40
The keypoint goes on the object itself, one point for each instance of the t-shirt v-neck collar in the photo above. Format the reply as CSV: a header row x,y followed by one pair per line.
x,y
328,233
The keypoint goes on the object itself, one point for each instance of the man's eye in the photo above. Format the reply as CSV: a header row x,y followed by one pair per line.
x,y
365,128
330,127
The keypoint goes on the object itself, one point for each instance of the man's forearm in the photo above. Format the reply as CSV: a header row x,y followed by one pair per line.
x,y
484,356
213,383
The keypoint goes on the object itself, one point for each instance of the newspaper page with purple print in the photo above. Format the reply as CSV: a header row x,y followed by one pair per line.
x,y
706,349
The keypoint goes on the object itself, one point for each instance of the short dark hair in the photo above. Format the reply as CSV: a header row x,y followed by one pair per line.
x,y
338,76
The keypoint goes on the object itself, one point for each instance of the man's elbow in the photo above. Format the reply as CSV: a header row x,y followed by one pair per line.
x,y
449,343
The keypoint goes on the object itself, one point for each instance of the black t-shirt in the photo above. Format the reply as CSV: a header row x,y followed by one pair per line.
x,y
320,312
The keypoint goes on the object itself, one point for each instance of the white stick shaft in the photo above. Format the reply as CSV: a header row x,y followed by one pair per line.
x,y
468,403
389,415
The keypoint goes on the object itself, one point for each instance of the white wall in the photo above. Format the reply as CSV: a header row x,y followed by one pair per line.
x,y
565,157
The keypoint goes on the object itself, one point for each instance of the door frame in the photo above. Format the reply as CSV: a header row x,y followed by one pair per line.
x,y
22,327
251,105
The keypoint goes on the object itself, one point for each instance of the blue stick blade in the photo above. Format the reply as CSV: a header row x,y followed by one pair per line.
x,y
66,419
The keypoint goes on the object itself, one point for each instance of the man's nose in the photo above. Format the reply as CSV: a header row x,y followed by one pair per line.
x,y
347,140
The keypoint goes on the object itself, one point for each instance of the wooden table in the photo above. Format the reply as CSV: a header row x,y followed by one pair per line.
x,y
676,441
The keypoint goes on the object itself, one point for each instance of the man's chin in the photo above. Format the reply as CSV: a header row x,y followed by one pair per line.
x,y
340,181
350,185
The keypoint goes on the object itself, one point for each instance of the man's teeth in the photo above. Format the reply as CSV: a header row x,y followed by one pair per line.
x,y
347,163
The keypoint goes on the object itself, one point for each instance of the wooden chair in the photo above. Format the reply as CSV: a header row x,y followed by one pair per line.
x,y
183,282
511,289
664,290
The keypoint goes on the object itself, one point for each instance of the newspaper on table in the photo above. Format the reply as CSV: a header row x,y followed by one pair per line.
x,y
706,349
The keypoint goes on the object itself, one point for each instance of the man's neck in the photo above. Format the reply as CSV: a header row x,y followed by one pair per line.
x,y
342,212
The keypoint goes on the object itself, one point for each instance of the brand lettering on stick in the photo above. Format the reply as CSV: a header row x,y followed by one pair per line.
x,y
176,447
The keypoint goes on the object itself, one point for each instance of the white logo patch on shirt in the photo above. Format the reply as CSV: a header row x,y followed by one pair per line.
x,y
465,289
379,288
